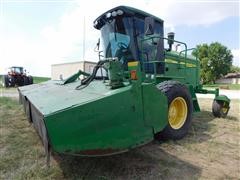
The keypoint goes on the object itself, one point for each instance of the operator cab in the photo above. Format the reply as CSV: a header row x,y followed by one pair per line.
x,y
123,30
16,70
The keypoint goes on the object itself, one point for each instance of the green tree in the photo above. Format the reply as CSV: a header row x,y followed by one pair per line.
x,y
215,61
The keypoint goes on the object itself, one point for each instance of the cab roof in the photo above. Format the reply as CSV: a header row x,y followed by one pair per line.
x,y
129,11
16,67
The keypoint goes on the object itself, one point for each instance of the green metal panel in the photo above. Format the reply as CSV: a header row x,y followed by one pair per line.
x,y
196,107
96,120
155,107
222,98
178,66
113,123
51,96
115,73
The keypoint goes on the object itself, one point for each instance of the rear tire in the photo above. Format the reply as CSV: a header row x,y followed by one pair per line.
x,y
180,109
5,81
30,79
219,109
25,81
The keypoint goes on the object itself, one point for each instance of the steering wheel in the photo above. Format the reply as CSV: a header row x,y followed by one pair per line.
x,y
122,45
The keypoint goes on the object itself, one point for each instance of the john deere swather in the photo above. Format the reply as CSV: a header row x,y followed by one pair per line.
x,y
148,91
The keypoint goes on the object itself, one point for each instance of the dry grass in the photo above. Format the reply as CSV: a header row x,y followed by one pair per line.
x,y
209,151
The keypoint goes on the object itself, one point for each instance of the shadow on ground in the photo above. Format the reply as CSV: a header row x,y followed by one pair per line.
x,y
200,128
149,162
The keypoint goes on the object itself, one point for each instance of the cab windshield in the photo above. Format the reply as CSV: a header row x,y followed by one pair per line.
x,y
117,37
18,70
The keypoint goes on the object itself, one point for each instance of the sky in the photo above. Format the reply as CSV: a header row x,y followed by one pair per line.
x,y
36,34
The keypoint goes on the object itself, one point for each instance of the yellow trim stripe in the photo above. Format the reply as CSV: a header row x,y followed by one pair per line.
x,y
191,65
176,62
134,63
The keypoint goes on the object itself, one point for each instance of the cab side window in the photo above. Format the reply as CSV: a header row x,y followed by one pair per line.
x,y
147,49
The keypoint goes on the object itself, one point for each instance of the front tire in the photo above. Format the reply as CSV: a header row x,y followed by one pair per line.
x,y
220,109
180,109
12,81
5,81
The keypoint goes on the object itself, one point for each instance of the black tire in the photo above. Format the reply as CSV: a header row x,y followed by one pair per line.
x,y
25,81
12,81
30,79
5,81
220,109
175,91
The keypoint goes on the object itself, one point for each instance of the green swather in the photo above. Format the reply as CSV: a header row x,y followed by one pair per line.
x,y
146,91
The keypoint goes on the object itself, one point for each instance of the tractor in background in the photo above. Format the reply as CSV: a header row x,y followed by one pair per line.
x,y
16,76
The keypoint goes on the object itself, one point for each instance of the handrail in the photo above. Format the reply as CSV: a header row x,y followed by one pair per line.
x,y
154,66
160,37
186,51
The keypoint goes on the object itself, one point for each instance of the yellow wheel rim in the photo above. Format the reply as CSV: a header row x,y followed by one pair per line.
x,y
177,113
224,108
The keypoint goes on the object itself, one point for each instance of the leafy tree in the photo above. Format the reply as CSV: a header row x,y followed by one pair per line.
x,y
215,61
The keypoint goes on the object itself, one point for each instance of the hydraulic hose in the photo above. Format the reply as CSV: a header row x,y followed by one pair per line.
x,y
90,78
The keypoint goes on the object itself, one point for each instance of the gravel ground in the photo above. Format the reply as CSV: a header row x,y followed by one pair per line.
x,y
232,94
10,92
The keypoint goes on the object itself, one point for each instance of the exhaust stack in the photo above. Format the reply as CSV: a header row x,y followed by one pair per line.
x,y
170,36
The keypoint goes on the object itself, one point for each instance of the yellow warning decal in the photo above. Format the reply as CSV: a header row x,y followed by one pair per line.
x,y
132,64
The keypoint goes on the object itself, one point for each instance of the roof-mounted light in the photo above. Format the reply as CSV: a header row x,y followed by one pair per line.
x,y
119,12
114,14
95,23
108,15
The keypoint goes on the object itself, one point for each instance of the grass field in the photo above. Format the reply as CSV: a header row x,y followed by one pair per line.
x,y
209,151
37,80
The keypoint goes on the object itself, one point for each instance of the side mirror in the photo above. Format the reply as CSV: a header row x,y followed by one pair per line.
x,y
96,49
149,24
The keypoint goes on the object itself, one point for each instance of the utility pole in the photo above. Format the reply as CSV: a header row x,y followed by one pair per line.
x,y
84,34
